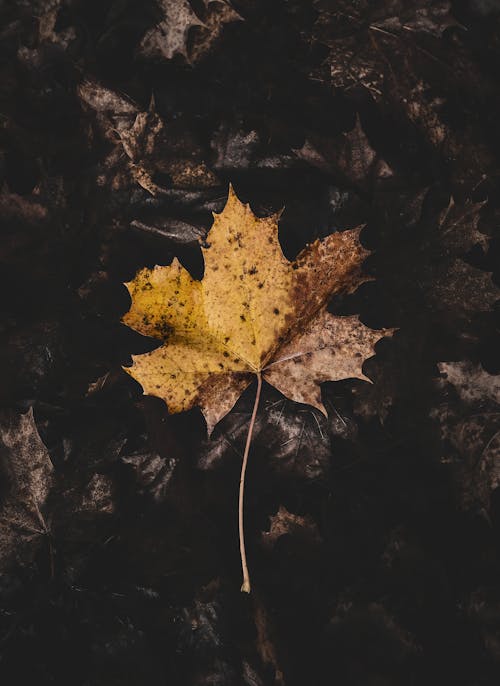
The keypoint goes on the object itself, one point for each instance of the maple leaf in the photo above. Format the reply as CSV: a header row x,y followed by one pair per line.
x,y
453,285
254,312
458,227
432,255
170,36
350,156
460,290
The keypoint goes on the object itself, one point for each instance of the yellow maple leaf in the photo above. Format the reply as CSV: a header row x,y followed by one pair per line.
x,y
254,314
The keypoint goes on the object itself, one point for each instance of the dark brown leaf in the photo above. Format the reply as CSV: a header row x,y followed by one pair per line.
x,y
27,478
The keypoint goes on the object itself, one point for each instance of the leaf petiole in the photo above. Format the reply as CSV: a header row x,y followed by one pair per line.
x,y
245,587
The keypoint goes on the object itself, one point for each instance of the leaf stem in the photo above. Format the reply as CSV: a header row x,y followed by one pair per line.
x,y
245,587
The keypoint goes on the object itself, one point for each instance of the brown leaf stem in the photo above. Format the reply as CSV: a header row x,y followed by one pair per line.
x,y
245,587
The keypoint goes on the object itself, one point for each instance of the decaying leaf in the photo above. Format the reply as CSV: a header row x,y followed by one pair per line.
x,y
469,421
297,438
153,474
415,16
450,284
174,230
170,36
217,14
470,159
458,227
395,15
26,472
237,149
47,20
286,523
431,254
396,52
356,624
265,641
254,313
459,290
471,382
205,636
114,112
349,156
360,35
132,132
143,144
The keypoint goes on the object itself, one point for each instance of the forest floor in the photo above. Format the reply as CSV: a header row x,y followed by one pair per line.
x,y
373,533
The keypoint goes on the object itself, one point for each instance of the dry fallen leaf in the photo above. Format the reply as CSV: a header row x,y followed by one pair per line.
x,y
254,314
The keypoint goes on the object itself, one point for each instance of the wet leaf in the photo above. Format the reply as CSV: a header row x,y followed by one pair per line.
x,y
432,254
286,523
297,438
26,472
458,227
349,156
153,473
170,36
395,15
469,420
459,290
362,38
143,144
217,14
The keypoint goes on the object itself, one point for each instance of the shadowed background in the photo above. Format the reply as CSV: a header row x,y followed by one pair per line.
x,y
372,534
